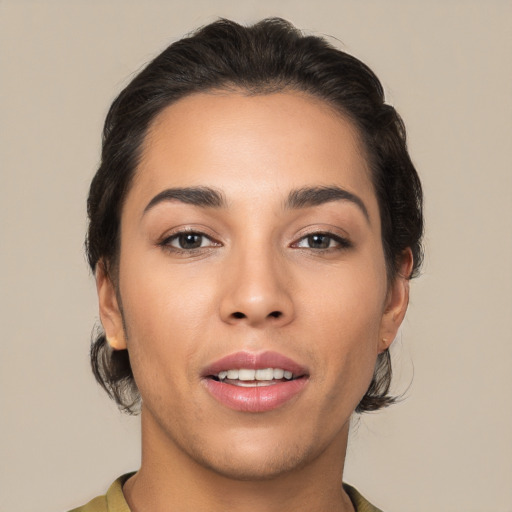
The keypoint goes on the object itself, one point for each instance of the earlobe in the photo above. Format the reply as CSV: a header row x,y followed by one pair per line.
x,y
397,301
110,312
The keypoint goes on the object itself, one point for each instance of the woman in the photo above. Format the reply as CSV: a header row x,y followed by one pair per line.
x,y
253,228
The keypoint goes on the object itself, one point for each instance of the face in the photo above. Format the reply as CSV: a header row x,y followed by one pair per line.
x,y
252,282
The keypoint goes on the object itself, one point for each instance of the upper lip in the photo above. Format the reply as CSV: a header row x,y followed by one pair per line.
x,y
255,361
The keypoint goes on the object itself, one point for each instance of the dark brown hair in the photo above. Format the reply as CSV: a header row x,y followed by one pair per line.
x,y
267,57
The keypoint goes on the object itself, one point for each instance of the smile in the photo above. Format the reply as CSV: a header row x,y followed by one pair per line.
x,y
251,382
246,377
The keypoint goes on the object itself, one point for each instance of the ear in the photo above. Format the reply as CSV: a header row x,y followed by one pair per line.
x,y
110,312
397,300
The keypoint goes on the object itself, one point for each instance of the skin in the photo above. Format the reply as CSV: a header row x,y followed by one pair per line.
x,y
180,310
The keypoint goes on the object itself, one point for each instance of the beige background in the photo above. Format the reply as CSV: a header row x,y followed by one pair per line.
x,y
447,67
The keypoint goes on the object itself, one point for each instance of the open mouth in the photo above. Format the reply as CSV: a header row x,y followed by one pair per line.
x,y
255,382
248,378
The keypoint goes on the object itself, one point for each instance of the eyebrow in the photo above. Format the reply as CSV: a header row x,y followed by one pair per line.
x,y
204,197
315,196
306,197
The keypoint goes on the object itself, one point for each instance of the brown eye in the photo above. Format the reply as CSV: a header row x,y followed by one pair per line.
x,y
323,241
319,241
188,241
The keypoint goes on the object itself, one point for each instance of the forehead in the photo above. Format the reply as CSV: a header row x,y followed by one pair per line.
x,y
262,143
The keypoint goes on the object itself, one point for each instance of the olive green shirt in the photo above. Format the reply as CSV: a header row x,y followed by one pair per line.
x,y
114,500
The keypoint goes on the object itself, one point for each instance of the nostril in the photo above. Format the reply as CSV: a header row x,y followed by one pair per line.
x,y
273,314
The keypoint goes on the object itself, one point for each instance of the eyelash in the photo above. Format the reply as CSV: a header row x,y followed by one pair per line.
x,y
166,243
341,243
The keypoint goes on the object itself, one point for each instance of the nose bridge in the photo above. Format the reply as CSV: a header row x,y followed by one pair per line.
x,y
256,287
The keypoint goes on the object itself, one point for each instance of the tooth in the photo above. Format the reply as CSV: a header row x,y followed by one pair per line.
x,y
266,374
253,384
222,375
232,374
278,373
244,374
287,375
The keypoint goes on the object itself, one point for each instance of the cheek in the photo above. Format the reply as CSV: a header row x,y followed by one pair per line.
x,y
349,309
162,298
165,314
350,354
349,340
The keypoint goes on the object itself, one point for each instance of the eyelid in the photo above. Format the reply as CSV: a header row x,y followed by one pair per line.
x,y
164,240
177,238
323,229
342,243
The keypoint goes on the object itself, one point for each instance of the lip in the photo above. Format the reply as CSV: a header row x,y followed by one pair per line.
x,y
255,399
255,361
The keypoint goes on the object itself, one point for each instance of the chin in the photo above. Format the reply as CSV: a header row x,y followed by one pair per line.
x,y
255,468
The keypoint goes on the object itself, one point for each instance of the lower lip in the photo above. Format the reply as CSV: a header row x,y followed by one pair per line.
x,y
255,399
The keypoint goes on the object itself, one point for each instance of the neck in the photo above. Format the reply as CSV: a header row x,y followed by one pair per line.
x,y
169,479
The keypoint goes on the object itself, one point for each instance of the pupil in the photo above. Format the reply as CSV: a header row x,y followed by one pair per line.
x,y
319,241
190,241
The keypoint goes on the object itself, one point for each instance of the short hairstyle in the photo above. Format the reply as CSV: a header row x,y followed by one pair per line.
x,y
267,57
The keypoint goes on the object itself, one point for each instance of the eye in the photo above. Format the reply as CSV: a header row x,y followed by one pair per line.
x,y
188,241
322,241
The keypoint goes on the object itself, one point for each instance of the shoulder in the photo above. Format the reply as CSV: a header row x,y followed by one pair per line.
x,y
98,504
360,503
112,501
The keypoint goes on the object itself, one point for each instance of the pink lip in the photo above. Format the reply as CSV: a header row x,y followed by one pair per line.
x,y
255,399
255,361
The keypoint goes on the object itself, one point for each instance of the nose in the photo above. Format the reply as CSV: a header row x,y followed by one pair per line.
x,y
257,291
